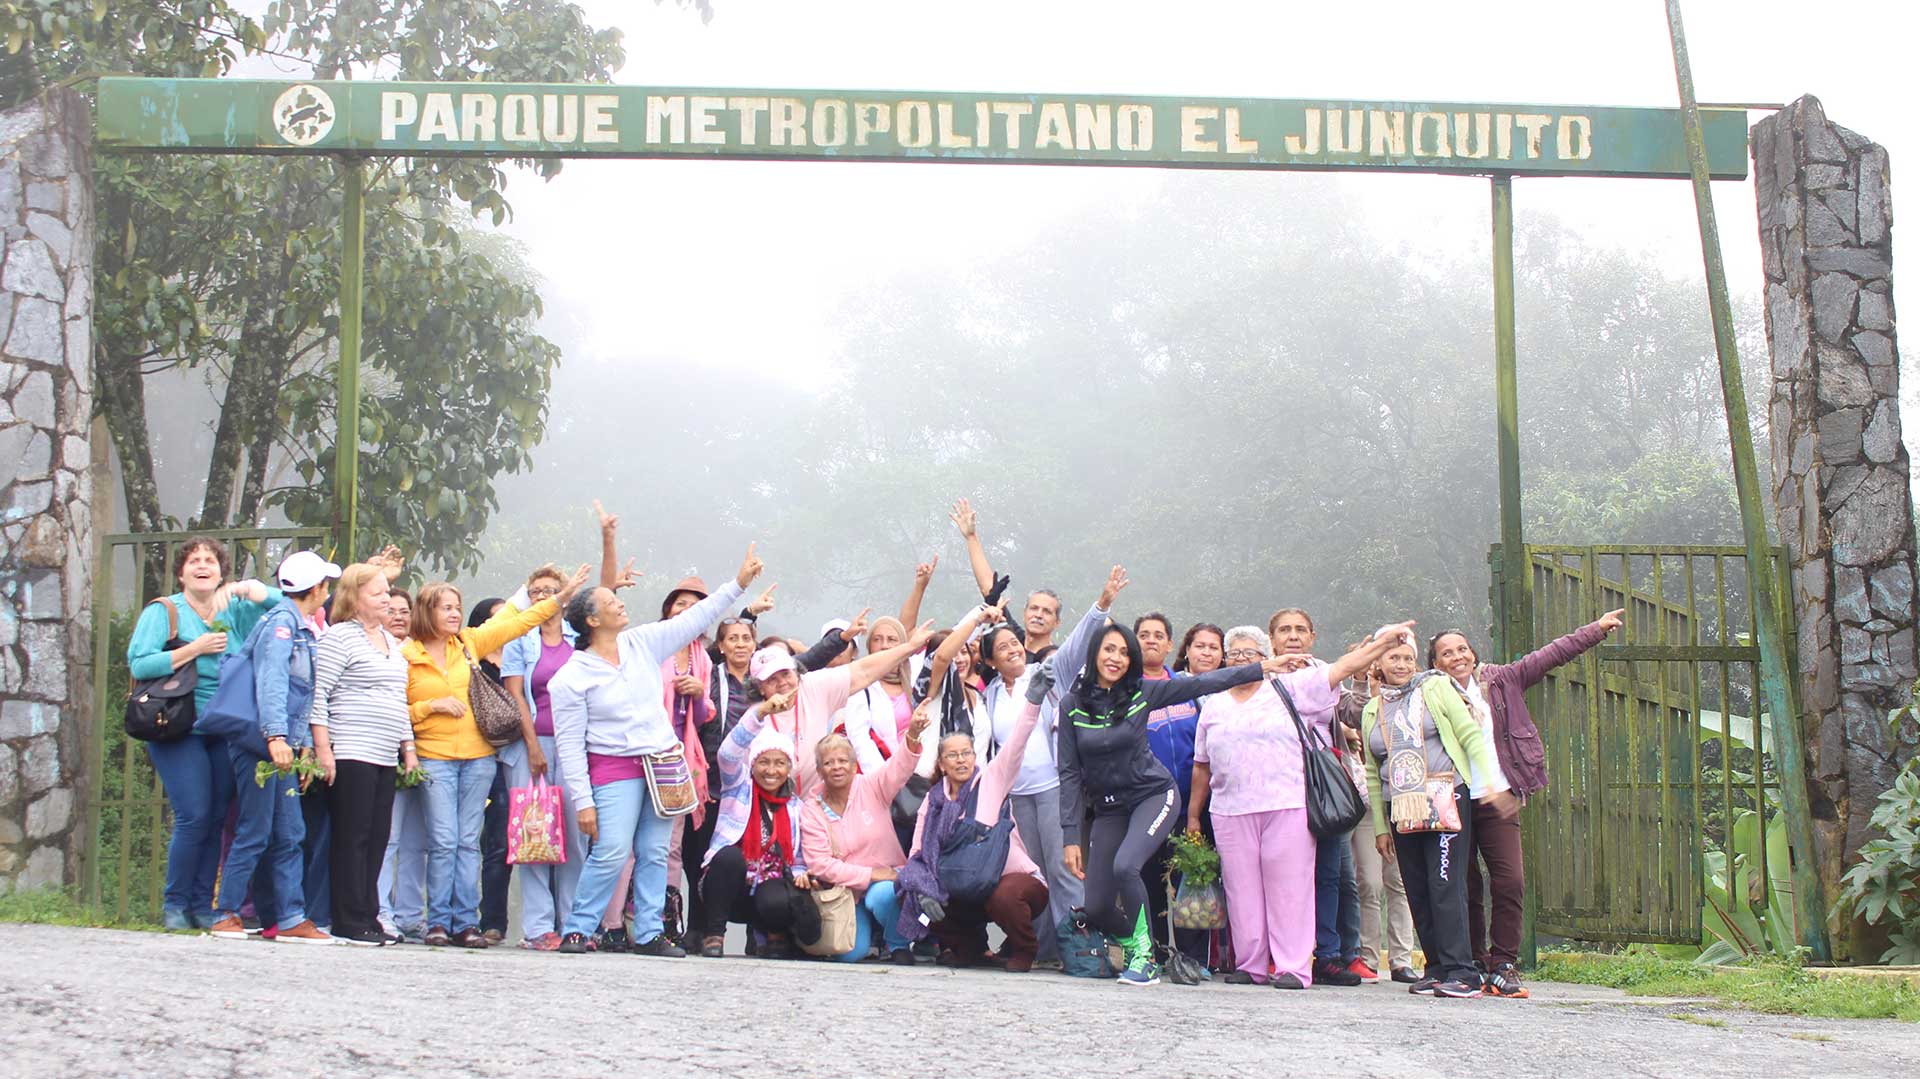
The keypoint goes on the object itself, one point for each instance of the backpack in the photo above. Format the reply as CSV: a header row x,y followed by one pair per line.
x,y
161,709
1083,949
974,856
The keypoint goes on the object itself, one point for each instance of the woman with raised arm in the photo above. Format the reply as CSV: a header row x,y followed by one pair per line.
x,y
964,795
609,718
199,624
802,704
1438,756
442,658
1496,695
847,835
1108,772
1248,768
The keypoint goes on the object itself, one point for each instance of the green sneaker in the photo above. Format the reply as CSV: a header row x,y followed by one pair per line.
x,y
1141,970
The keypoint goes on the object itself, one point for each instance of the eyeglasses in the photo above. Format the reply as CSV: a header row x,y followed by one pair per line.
x,y
542,593
957,755
1244,654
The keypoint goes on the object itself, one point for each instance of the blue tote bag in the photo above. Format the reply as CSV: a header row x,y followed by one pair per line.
x,y
233,713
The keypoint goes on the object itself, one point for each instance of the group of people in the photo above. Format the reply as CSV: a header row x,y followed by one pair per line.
x,y
888,791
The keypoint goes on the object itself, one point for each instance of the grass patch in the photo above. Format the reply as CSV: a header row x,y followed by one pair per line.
x,y
1774,986
1697,1020
1811,1037
51,906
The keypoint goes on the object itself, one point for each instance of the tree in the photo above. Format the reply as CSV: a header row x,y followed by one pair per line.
x,y
230,264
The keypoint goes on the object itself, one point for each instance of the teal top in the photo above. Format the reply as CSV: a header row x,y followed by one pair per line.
x,y
146,651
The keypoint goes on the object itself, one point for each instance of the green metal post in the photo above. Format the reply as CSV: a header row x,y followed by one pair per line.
x,y
1775,677
1515,616
353,252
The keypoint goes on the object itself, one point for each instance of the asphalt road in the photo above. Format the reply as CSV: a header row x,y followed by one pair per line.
x,y
78,1002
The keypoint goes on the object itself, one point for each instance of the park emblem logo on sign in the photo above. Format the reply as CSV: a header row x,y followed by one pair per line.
x,y
303,114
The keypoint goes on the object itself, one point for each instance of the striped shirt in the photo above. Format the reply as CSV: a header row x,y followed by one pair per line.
x,y
360,696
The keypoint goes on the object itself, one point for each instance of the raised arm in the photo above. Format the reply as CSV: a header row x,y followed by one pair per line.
x,y
867,670
1361,659
949,649
1533,666
1072,655
965,520
922,576
662,639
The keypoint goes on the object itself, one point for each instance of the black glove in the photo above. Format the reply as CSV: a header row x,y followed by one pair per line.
x,y
1041,682
1000,583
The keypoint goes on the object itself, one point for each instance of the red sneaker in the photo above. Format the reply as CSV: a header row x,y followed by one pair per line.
x,y
1364,972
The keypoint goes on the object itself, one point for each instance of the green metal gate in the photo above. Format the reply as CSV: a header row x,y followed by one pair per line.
x,y
1661,780
127,817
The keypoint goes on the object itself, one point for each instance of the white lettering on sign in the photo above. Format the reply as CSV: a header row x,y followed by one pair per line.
x,y
1194,137
477,117
1050,129
437,119
397,110
702,121
949,138
913,121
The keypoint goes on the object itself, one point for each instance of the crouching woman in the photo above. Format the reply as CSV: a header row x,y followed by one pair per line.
x,y
964,795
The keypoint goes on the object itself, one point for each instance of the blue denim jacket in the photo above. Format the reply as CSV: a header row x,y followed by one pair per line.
x,y
283,674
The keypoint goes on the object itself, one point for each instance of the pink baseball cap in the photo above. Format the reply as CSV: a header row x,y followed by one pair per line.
x,y
768,662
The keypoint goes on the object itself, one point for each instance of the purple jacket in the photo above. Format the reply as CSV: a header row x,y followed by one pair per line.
x,y
1515,738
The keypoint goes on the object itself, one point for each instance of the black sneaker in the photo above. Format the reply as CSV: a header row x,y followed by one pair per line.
x,y
903,957
1287,980
1456,989
1405,975
1424,987
613,940
659,948
1237,977
363,938
1505,982
574,944
1333,972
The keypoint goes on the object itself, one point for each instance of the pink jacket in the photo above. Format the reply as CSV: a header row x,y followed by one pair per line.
x,y
864,832
996,782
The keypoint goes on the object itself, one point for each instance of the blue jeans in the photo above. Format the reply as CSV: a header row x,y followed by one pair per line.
x,y
267,835
627,825
456,802
403,872
1336,902
546,891
880,904
199,785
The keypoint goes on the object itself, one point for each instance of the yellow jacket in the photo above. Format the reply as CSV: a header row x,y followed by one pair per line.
x,y
456,738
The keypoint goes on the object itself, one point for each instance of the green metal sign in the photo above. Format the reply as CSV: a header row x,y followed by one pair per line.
x,y
523,120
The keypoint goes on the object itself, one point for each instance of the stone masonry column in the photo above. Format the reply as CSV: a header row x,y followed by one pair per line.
x,y
1842,499
46,528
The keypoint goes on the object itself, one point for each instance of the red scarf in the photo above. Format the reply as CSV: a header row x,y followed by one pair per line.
x,y
752,844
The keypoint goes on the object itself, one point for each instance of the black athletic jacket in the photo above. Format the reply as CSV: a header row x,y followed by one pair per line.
x,y
1105,762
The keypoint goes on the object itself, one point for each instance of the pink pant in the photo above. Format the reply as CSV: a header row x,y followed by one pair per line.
x,y
1266,863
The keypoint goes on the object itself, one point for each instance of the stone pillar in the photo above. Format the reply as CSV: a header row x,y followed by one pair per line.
x,y
1842,500
46,529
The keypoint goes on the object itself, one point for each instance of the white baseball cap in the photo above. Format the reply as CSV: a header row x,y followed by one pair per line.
x,y
834,626
302,570
768,662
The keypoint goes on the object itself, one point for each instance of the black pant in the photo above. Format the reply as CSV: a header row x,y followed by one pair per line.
x,y
693,851
1118,847
1433,865
360,810
776,906
495,873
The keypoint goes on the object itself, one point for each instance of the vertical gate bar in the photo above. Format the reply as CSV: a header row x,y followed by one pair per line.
x,y
1775,679
1690,892
1596,777
346,459
97,745
1518,613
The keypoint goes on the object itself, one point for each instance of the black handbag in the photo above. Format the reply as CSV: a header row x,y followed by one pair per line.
x,y
161,709
974,856
1334,807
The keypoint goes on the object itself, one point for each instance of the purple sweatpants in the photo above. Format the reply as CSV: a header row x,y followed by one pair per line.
x,y
1266,864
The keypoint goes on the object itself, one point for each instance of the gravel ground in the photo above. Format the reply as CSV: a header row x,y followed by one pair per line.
x,y
80,1002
